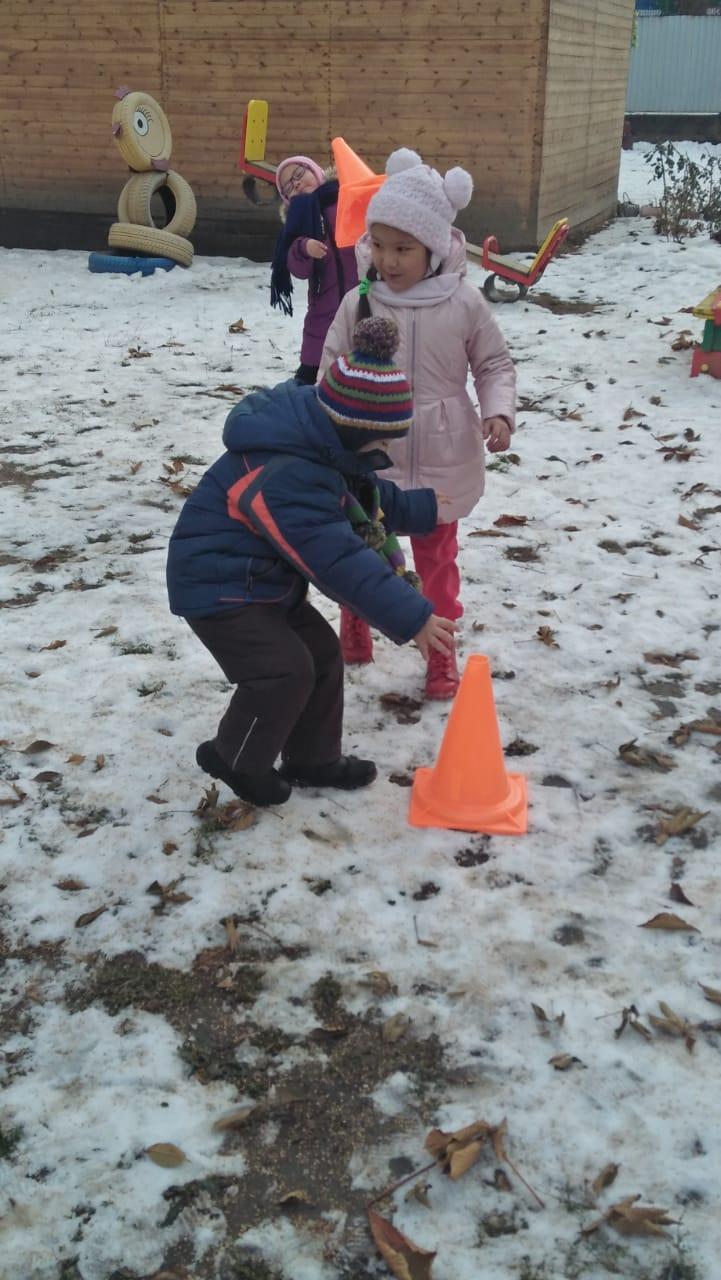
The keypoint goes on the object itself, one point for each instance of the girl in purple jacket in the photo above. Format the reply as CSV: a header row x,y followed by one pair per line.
x,y
306,249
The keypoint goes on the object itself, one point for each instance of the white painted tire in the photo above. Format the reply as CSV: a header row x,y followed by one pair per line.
x,y
176,194
152,240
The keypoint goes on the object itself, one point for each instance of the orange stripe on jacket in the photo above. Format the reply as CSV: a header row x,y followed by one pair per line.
x,y
235,493
260,509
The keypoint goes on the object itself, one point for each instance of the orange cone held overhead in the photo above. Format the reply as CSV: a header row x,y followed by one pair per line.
x,y
349,167
357,183
468,788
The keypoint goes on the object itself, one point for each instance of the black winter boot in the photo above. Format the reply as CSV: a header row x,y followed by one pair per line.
x,y
347,773
257,789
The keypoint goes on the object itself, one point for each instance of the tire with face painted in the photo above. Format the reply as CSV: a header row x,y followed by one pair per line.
x,y
142,132
176,195
152,240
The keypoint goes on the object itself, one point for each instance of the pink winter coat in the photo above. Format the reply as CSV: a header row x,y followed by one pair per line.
x,y
446,327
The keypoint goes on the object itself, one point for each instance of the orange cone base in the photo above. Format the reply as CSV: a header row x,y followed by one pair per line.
x,y
509,817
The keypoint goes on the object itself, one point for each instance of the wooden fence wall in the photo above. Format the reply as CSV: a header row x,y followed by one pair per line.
x,y
583,111
463,81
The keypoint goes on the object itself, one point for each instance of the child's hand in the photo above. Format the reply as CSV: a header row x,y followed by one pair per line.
x,y
436,633
443,504
496,433
316,248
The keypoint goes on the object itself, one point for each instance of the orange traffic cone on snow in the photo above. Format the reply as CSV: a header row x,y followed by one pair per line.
x,y
357,183
468,788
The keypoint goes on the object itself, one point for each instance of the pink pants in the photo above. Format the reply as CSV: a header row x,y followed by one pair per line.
x,y
435,555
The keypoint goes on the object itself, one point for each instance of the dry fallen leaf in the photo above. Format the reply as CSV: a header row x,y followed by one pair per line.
x,y
564,1061
379,983
54,644
456,1152
75,759
544,1019
166,1154
232,934
36,747
711,993
631,1219
292,1198
169,846
671,659
547,637
237,327
234,1119
677,894
673,1025
630,1018
406,1260
604,1178
643,757
505,520
667,920
419,1191
15,796
70,885
395,1028
501,1180
681,820
88,916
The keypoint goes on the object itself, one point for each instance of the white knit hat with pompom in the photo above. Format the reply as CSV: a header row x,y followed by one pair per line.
x,y
416,199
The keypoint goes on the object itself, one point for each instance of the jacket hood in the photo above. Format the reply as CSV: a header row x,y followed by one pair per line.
x,y
289,419
455,261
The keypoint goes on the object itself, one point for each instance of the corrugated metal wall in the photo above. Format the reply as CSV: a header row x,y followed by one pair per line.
x,y
676,66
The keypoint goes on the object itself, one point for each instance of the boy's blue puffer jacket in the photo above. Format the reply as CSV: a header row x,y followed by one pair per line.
x,y
269,516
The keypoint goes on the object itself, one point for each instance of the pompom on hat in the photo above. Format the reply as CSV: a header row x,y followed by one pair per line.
x,y
417,200
294,160
363,392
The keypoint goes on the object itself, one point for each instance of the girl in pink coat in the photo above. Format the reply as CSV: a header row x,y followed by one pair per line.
x,y
414,263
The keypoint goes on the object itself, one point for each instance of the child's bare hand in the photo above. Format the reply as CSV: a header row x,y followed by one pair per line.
x,y
443,504
316,248
496,433
436,633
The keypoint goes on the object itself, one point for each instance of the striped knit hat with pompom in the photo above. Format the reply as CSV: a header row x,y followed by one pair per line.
x,y
363,392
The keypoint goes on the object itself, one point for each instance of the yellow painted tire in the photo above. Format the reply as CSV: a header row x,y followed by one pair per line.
x,y
141,131
152,240
178,201
123,214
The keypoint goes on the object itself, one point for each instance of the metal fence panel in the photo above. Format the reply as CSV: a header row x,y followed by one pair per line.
x,y
676,66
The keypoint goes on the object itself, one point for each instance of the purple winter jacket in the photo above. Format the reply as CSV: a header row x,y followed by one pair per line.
x,y
339,273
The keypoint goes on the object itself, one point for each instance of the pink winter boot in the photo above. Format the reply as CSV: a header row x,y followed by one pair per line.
x,y
442,677
356,641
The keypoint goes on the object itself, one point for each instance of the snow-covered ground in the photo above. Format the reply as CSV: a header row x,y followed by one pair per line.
x,y
113,391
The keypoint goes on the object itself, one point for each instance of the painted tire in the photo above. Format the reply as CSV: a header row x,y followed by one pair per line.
x,y
263,194
176,195
494,294
116,264
141,131
150,240
123,214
